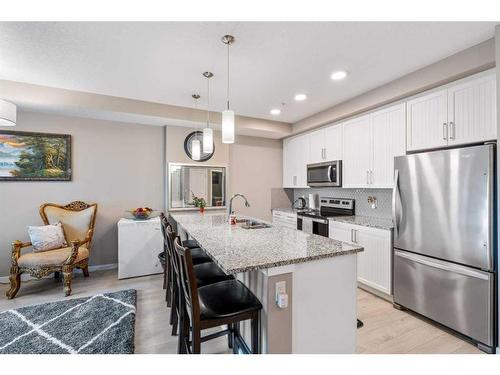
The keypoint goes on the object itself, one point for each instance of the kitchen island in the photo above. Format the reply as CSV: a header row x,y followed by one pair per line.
x,y
317,273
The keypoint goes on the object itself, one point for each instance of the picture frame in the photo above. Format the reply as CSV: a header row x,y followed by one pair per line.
x,y
32,156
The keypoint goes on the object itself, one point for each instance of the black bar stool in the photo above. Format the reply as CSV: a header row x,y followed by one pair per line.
x,y
199,257
226,302
206,273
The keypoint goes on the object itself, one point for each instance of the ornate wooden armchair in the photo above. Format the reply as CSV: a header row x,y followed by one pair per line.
x,y
78,220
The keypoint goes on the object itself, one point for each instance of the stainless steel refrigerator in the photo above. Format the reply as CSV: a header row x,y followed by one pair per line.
x,y
444,245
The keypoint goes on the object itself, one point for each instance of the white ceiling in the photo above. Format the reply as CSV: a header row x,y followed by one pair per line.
x,y
270,62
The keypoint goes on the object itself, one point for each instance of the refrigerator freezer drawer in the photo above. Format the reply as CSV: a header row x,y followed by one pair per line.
x,y
458,297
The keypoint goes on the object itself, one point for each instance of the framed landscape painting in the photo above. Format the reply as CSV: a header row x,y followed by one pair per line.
x,y
34,156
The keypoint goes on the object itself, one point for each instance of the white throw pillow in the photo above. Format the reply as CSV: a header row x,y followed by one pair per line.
x,y
47,237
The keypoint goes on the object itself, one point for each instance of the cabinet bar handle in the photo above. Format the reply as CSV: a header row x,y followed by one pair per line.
x,y
367,177
452,130
445,131
352,235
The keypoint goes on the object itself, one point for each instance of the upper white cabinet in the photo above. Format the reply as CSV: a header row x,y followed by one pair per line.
x,y
295,159
472,111
388,141
426,122
370,144
356,153
463,112
325,144
333,143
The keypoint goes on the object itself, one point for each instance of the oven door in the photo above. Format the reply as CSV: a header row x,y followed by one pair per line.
x,y
324,174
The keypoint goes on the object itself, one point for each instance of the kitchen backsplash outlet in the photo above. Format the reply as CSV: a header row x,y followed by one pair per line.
x,y
383,199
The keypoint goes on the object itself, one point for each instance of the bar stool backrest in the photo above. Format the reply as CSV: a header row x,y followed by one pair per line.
x,y
164,223
187,278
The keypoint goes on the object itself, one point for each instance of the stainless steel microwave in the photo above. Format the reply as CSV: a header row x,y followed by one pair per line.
x,y
325,174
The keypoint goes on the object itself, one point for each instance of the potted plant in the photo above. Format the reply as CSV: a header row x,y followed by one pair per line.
x,y
200,203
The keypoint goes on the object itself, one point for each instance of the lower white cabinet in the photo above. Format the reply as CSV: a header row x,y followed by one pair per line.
x,y
375,262
285,219
139,243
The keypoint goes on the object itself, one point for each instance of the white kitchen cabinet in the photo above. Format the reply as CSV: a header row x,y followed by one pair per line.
x,y
356,152
370,144
426,121
295,160
375,262
285,219
317,146
463,112
333,142
472,111
387,128
325,144
139,243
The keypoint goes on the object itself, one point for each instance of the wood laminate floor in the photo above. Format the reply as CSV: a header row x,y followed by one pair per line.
x,y
386,330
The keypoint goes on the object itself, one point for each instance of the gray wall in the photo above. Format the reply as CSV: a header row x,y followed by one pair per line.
x,y
363,208
117,165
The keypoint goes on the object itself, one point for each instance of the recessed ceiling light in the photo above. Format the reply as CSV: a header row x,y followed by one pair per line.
x,y
338,75
275,111
300,97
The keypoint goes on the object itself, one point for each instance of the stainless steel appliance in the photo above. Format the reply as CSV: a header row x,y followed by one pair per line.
x,y
325,174
316,221
444,249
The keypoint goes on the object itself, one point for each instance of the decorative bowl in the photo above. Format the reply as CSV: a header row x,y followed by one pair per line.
x,y
141,213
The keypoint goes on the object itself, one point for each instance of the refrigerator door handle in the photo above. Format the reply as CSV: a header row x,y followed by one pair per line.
x,y
395,193
446,267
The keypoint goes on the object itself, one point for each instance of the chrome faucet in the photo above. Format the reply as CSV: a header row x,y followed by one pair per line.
x,y
230,209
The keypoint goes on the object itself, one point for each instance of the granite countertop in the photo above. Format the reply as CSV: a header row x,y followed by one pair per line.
x,y
288,210
237,250
365,221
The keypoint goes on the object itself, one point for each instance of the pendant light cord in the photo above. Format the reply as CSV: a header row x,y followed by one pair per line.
x,y
228,76
208,102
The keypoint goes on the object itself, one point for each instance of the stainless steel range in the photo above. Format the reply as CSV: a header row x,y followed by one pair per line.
x,y
316,221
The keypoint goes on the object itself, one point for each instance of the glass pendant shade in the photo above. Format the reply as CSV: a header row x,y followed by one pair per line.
x,y
196,149
228,126
8,113
208,140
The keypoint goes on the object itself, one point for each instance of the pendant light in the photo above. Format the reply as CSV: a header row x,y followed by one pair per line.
x,y
196,144
208,132
228,115
8,113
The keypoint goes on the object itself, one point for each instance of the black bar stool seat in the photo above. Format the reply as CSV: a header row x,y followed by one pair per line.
x,y
226,299
190,244
199,256
209,273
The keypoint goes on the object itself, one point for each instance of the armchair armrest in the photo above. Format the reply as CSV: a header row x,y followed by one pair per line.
x,y
16,250
75,245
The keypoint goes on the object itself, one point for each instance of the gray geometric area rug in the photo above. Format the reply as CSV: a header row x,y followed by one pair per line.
x,y
101,324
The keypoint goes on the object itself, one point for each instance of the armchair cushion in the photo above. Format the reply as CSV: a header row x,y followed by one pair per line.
x,y
76,224
47,237
51,257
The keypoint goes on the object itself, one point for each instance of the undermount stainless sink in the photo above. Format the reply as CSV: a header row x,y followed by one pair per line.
x,y
253,224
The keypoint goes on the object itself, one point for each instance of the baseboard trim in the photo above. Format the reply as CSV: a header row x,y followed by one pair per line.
x,y
27,277
376,292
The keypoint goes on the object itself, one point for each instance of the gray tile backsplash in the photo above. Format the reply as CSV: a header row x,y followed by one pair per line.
x,y
383,199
